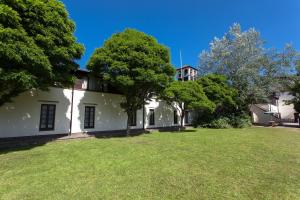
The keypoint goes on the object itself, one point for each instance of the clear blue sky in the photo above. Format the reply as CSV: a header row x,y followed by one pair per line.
x,y
186,25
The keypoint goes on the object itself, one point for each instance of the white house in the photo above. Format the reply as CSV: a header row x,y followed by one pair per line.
x,y
89,107
277,110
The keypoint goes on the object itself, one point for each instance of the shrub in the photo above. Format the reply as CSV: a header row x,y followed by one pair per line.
x,y
220,123
241,121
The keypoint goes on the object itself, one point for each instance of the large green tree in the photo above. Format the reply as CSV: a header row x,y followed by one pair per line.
x,y
136,64
188,95
37,46
218,90
250,67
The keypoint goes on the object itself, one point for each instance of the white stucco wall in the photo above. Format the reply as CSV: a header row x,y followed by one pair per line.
x,y
259,116
163,114
286,111
22,116
108,113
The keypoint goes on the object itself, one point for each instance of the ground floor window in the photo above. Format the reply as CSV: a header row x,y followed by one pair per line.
x,y
89,117
296,117
132,120
175,117
47,117
152,117
186,117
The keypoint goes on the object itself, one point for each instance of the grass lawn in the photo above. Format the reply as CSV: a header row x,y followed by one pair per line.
x,y
254,163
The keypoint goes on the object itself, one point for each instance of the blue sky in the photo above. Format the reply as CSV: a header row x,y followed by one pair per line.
x,y
186,25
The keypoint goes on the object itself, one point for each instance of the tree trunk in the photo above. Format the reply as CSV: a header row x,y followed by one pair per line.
x,y
128,123
181,119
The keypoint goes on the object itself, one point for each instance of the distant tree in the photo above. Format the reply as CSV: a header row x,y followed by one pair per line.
x,y
37,46
217,89
136,64
251,68
294,89
188,95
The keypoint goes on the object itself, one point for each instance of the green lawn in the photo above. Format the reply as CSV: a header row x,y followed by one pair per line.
x,y
254,163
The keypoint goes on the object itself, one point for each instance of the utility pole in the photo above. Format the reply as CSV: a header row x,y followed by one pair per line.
x,y
181,66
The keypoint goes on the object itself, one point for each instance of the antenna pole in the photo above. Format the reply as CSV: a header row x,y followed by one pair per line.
x,y
181,65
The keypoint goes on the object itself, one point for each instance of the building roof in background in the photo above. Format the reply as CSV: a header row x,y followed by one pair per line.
x,y
186,66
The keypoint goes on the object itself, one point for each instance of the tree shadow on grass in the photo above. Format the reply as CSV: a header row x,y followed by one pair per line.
x,y
8,145
118,134
176,129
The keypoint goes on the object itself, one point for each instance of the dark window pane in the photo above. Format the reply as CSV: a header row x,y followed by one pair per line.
x,y
50,122
47,117
152,117
89,117
186,117
175,117
132,121
51,108
44,107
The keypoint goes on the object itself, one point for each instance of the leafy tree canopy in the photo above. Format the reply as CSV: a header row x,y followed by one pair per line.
x,y
251,68
294,89
188,95
136,64
37,46
218,90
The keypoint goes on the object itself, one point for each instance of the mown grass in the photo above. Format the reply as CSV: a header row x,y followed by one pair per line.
x,y
254,163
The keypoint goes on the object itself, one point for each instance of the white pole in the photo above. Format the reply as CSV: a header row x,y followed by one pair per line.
x,y
181,65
